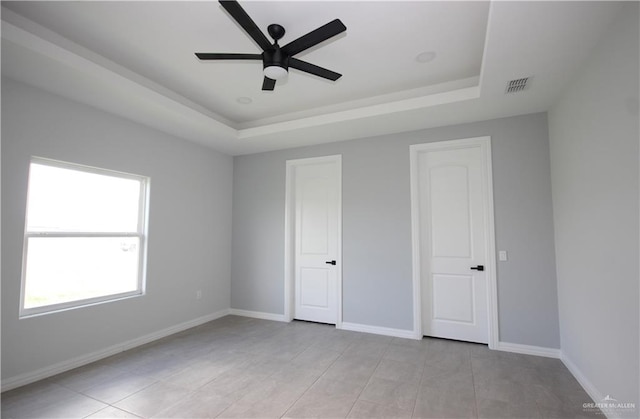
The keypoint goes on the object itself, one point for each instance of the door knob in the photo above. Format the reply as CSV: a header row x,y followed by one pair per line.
x,y
330,262
478,268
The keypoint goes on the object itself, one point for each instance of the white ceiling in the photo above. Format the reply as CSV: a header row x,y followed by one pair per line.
x,y
135,59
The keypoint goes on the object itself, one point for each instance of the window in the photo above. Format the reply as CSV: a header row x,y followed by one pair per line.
x,y
84,236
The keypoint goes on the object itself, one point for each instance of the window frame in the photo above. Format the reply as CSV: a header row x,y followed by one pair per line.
x,y
141,234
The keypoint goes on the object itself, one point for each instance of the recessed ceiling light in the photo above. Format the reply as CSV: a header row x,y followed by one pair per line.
x,y
244,100
425,57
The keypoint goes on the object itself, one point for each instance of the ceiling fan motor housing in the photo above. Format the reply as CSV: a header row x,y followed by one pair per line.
x,y
275,57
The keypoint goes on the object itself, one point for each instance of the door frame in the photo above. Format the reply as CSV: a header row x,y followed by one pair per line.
x,y
289,233
484,143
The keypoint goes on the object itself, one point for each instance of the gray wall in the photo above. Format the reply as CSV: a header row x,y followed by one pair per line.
x,y
594,154
377,287
189,226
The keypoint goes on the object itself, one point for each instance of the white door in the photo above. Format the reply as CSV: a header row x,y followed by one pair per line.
x,y
316,240
453,232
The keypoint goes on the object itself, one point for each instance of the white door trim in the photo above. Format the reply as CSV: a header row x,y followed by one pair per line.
x,y
492,290
289,231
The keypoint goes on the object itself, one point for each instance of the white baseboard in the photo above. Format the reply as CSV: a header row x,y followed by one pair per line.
x,y
386,331
258,315
42,373
586,384
528,349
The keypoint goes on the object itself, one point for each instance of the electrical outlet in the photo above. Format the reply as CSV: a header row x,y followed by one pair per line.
x,y
198,295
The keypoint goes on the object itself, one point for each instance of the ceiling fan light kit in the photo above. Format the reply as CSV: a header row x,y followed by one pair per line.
x,y
276,60
275,72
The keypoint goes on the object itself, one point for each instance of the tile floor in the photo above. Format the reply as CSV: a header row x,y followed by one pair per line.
x,y
241,367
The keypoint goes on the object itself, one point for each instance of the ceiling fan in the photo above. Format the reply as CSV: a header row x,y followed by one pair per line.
x,y
276,60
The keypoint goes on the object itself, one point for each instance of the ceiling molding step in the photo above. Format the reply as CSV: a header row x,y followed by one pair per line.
x,y
77,57
402,95
468,93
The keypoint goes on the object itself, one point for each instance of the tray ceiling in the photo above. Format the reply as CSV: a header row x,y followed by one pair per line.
x,y
136,59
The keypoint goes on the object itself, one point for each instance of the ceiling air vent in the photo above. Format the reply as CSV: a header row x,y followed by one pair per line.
x,y
518,85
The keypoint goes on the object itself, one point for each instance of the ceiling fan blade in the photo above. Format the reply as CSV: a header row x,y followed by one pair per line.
x,y
313,69
237,12
314,37
226,56
268,84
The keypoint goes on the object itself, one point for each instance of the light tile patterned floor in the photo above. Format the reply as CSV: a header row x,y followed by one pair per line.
x,y
238,367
